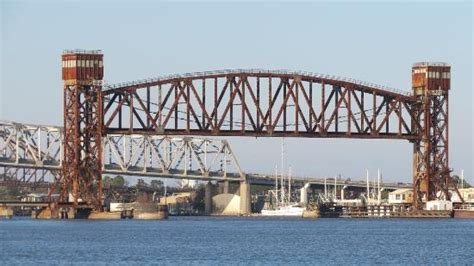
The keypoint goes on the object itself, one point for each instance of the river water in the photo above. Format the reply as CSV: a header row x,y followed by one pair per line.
x,y
241,240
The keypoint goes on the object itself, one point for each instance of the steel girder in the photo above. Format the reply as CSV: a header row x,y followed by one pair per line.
x,y
30,155
287,104
82,144
254,103
134,155
26,177
431,166
259,104
175,157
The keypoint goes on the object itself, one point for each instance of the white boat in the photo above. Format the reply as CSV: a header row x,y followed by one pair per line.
x,y
283,205
285,211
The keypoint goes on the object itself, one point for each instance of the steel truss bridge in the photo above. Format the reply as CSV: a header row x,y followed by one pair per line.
x,y
128,127
33,155
265,103
259,103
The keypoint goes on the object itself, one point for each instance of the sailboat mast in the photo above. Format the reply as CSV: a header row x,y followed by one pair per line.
x,y
282,169
374,189
289,184
368,187
325,188
276,184
378,186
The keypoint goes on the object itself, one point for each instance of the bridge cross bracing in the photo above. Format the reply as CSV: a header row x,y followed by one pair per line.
x,y
33,154
23,164
259,103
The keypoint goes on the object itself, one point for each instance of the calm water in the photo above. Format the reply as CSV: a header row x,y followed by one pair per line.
x,y
221,240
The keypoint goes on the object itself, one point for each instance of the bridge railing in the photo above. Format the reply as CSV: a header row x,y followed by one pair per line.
x,y
257,71
193,158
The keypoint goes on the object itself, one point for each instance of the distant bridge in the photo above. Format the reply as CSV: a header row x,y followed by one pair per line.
x,y
22,163
39,149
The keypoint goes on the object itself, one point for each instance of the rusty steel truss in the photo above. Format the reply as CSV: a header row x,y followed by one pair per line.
x,y
431,177
82,143
430,153
259,103
288,104
82,73
139,115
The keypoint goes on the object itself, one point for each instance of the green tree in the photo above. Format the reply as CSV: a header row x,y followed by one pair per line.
x,y
106,181
156,184
117,181
141,183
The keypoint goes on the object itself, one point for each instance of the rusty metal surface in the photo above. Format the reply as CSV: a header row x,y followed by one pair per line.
x,y
259,104
80,66
82,75
431,177
294,104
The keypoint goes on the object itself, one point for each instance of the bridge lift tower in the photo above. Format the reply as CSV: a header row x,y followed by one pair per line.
x,y
431,173
82,73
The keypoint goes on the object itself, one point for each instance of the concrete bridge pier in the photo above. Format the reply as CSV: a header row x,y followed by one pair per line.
x,y
208,198
304,194
6,212
245,200
224,187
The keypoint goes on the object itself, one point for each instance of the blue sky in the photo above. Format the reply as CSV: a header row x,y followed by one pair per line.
x,y
366,41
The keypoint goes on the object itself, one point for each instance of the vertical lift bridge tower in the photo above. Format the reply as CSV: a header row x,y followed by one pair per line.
x,y
431,173
82,73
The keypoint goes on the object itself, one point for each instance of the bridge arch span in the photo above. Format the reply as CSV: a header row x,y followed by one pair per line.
x,y
260,103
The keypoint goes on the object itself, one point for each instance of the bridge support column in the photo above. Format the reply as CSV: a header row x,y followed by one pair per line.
x,y
431,173
6,212
83,113
245,200
208,198
304,194
224,187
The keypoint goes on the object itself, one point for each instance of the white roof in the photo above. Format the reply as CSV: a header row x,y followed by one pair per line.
x,y
401,190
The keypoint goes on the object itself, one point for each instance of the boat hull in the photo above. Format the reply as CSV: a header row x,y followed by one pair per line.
x,y
284,211
460,213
